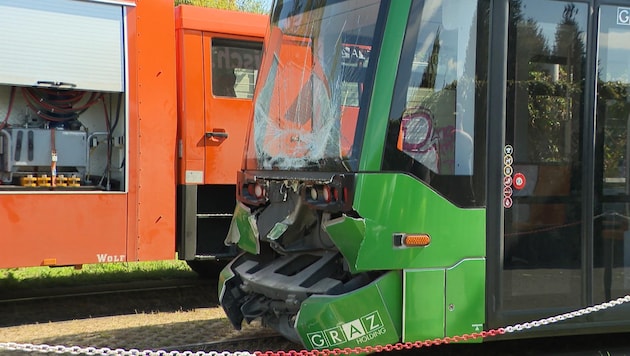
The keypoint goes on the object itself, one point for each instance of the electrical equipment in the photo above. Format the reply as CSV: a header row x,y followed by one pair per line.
x,y
29,152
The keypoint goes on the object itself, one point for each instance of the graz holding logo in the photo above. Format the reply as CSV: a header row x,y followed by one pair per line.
x,y
360,330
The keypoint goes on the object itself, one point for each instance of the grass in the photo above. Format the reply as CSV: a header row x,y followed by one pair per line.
x,y
35,277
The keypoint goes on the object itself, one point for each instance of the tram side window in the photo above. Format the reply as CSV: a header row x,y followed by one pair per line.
x,y
437,127
544,115
235,67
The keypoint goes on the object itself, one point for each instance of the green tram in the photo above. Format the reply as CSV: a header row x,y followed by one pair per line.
x,y
421,169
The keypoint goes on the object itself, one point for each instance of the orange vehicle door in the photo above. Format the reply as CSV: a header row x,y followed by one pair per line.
x,y
230,71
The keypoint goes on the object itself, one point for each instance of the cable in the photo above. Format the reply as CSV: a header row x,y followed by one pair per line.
x,y
57,105
6,118
107,172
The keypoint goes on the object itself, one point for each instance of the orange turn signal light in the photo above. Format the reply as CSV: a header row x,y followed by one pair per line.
x,y
417,240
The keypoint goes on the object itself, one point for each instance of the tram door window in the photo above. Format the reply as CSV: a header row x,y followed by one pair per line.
x,y
611,243
542,257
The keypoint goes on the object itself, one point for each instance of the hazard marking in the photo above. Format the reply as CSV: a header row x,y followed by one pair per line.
x,y
507,181
507,202
507,191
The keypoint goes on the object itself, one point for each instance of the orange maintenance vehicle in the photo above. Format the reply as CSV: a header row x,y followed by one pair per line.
x,y
122,125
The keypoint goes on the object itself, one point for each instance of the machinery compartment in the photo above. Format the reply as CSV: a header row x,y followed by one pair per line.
x,y
61,139
62,95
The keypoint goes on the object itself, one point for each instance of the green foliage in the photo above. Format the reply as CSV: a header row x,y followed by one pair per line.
x,y
551,109
255,6
614,106
552,81
217,4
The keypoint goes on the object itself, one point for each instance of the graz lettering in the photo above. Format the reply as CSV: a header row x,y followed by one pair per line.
x,y
359,330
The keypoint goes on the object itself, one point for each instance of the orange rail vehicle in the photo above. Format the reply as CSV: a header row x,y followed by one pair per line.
x,y
122,125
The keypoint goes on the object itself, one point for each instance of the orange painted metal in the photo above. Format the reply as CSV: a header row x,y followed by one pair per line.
x,y
70,228
190,93
224,22
208,160
67,228
156,132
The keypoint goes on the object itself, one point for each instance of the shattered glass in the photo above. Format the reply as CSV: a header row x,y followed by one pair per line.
x,y
306,112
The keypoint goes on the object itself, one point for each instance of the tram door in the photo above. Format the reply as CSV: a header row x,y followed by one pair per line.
x,y
611,242
566,202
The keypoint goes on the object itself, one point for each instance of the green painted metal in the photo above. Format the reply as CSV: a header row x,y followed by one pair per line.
x,y
423,304
349,233
396,203
243,230
465,297
225,275
444,302
444,288
368,316
374,141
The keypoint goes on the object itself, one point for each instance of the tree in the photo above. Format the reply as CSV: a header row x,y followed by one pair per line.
x,y
255,6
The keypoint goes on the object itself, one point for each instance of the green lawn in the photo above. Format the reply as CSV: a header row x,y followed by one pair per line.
x,y
92,274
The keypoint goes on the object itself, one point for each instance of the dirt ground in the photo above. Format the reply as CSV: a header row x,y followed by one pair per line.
x,y
140,331
156,331
156,321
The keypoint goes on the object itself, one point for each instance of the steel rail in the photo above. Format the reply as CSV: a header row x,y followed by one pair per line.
x,y
31,294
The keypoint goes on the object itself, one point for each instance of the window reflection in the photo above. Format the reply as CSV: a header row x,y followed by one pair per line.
x,y
612,237
442,84
235,67
545,88
437,123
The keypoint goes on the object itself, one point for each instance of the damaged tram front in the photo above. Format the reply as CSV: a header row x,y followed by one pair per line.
x,y
346,196
299,168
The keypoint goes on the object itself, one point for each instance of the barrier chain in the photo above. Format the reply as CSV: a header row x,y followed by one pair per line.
x,y
76,350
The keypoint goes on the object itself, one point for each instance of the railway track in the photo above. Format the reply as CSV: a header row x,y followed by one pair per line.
x,y
173,315
43,305
33,294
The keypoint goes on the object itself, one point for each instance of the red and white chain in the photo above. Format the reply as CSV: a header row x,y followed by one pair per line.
x,y
75,350
566,316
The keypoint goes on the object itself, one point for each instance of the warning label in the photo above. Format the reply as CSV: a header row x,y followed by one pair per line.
x,y
360,330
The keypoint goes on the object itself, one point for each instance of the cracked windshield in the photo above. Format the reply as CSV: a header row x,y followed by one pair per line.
x,y
307,111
